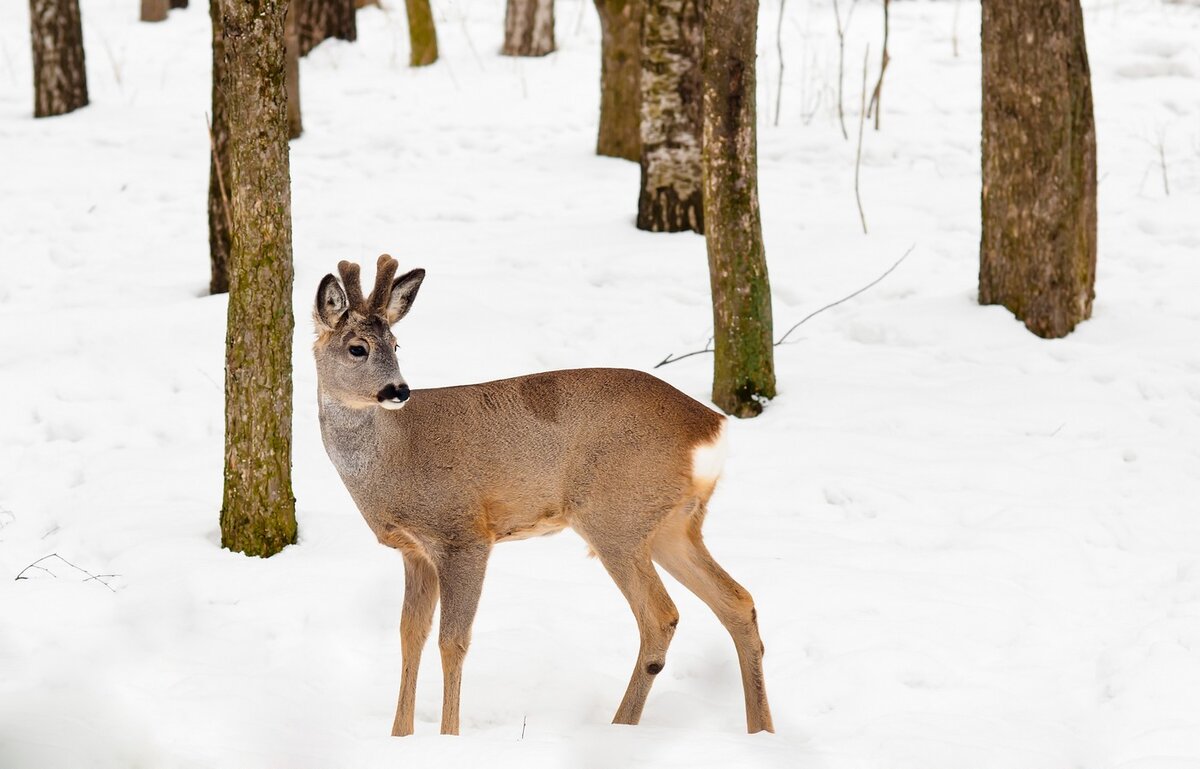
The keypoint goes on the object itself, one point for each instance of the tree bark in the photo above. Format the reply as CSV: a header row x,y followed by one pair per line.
x,y
422,34
672,46
528,28
258,510
291,35
218,162
744,362
155,10
322,19
620,79
1037,254
59,75
179,4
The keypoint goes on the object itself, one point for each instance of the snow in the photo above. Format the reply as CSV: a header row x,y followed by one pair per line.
x,y
969,547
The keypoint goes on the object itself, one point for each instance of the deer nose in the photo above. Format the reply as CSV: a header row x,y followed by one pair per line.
x,y
393,395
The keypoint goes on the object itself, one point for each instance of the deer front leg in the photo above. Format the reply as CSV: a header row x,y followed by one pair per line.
x,y
420,598
460,580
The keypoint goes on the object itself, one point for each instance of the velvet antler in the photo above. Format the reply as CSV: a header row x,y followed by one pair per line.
x,y
349,272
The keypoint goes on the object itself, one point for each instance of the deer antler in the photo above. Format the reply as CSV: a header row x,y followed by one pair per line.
x,y
349,272
384,272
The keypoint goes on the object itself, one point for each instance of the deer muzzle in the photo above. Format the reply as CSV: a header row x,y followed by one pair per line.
x,y
393,396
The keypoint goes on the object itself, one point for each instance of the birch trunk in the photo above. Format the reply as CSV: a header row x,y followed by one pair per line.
x,y
258,510
59,75
672,46
1037,255
528,28
744,362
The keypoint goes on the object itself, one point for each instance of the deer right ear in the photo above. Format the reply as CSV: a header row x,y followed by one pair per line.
x,y
331,302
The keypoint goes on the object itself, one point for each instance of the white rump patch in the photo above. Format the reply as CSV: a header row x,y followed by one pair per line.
x,y
708,459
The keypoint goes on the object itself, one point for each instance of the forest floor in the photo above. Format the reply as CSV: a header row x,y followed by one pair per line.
x,y
969,547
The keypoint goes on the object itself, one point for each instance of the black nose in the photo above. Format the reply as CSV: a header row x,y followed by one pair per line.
x,y
394,393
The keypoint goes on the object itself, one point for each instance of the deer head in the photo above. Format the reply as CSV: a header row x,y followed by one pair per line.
x,y
355,348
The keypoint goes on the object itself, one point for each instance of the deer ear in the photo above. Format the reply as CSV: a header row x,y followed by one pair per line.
x,y
404,291
331,303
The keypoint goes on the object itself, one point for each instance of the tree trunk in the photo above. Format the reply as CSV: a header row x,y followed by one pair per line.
x,y
744,362
322,19
422,34
1037,256
292,51
155,10
59,75
528,28
179,4
620,79
258,511
672,46
218,162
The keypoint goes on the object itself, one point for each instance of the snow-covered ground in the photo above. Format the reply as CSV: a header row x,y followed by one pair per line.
x,y
969,547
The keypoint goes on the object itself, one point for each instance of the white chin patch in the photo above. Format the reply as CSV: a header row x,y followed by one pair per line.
x,y
395,404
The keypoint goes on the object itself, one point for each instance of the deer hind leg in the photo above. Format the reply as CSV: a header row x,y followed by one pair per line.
x,y
656,619
679,548
420,598
460,580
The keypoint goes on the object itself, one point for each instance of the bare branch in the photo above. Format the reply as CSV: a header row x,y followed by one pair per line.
x,y
90,577
783,339
862,117
779,48
846,298
877,94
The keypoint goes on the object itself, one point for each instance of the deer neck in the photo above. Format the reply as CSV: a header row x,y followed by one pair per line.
x,y
351,436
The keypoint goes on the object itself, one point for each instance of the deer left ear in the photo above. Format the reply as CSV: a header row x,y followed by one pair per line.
x,y
404,291
331,303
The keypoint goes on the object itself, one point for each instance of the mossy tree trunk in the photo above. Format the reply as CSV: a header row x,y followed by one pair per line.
x,y
528,28
620,79
319,20
744,367
59,74
258,511
155,10
672,45
218,162
422,34
1037,255
291,33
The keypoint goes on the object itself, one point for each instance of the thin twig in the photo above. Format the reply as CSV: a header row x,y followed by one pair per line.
x,y
862,118
954,36
779,48
841,33
783,339
37,565
523,722
671,359
877,95
846,298
212,142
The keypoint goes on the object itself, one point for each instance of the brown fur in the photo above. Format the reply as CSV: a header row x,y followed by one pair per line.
x,y
607,452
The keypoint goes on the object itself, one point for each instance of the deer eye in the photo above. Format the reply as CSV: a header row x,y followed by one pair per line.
x,y
358,351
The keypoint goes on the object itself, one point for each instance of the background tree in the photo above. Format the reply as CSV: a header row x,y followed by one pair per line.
x,y
291,33
258,511
672,47
1037,256
179,4
422,34
319,20
219,224
59,75
744,363
155,10
620,79
528,28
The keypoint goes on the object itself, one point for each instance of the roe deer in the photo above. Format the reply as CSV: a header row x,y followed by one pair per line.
x,y
621,457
